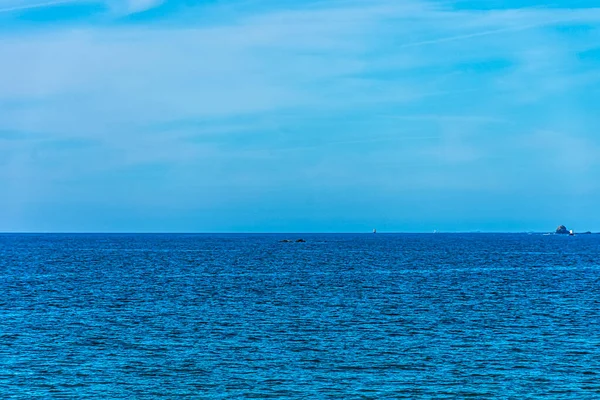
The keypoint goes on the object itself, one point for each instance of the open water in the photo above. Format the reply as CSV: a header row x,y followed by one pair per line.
x,y
340,316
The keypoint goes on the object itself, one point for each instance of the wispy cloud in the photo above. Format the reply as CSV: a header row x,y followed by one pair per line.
x,y
121,7
449,118
348,90
395,138
13,6
132,6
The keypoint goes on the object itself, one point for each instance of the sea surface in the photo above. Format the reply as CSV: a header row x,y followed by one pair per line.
x,y
372,316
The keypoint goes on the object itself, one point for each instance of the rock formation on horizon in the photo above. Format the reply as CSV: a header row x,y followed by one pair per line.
x,y
562,230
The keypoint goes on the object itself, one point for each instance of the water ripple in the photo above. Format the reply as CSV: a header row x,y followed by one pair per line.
x,y
340,316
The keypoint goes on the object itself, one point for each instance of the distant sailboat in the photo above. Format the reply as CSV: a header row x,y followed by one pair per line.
x,y
374,230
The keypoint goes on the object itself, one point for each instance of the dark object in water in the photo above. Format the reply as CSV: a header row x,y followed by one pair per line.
x,y
300,241
285,241
562,230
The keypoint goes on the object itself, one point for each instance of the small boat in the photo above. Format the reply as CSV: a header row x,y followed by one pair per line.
x,y
571,233
374,230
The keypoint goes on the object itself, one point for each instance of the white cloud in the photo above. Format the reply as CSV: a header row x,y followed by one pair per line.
x,y
113,83
119,7
15,6
132,6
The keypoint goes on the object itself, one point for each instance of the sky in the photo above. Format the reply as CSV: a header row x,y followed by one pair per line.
x,y
299,116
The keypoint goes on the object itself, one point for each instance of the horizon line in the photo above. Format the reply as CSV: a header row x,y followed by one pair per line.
x,y
272,233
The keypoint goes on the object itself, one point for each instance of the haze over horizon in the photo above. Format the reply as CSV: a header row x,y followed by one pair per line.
x,y
319,116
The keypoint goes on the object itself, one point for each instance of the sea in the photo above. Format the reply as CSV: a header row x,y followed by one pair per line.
x,y
339,316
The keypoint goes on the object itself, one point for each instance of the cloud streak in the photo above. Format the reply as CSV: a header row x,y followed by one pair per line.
x,y
21,6
133,6
321,92
121,7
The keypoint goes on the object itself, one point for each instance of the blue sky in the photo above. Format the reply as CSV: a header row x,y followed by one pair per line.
x,y
333,116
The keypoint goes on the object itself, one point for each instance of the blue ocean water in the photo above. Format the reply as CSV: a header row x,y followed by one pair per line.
x,y
340,316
